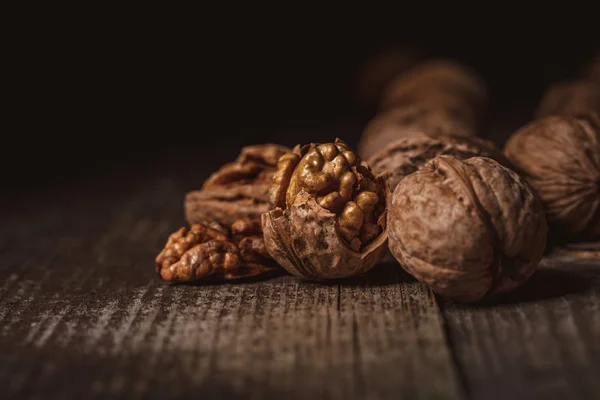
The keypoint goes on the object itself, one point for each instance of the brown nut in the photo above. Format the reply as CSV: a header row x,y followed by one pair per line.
x,y
469,229
577,98
405,156
238,189
215,250
419,117
438,77
329,213
560,158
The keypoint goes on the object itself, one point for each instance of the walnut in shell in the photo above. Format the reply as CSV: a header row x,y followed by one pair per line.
x,y
576,98
214,250
328,219
239,189
469,229
418,117
560,158
405,156
434,78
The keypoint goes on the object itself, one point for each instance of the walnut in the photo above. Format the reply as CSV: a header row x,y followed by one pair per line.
x,y
592,70
419,117
438,78
329,213
438,97
238,189
560,158
212,249
405,156
469,229
575,98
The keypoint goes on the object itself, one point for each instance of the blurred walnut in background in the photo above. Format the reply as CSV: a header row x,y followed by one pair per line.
x,y
560,158
575,98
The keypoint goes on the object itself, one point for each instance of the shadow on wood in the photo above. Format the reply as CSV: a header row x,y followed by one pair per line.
x,y
384,274
544,284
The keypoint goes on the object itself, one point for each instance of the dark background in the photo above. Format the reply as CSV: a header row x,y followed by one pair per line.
x,y
103,92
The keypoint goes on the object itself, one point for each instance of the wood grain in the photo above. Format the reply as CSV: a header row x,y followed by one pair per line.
x,y
540,342
82,314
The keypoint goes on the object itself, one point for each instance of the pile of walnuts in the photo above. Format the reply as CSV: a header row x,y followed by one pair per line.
x,y
457,213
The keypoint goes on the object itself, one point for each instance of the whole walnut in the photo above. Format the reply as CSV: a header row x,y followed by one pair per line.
x,y
418,117
469,229
406,155
560,158
574,98
438,77
328,219
239,189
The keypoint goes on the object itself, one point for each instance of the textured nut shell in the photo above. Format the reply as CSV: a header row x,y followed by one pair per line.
x,y
235,190
441,76
405,156
570,98
560,158
396,123
466,228
304,240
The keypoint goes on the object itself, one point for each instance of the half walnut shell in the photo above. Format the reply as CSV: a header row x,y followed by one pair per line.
x,y
329,216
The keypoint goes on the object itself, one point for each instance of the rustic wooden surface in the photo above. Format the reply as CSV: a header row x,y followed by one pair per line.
x,y
82,315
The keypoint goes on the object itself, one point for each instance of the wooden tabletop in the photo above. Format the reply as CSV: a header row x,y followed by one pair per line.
x,y
83,315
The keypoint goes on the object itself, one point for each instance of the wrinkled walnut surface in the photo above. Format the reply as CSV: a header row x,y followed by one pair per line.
x,y
576,98
469,229
436,77
238,189
328,213
560,158
215,250
398,122
404,156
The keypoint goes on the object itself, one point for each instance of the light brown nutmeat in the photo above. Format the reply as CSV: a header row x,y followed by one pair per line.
x,y
560,158
238,189
575,98
469,229
328,218
406,155
212,249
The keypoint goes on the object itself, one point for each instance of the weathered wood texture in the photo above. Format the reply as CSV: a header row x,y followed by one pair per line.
x,y
82,314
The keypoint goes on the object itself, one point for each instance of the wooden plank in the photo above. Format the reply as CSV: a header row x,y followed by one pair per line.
x,y
541,342
84,316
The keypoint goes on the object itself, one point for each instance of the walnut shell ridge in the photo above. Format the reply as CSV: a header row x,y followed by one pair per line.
x,y
406,155
560,159
469,229
304,239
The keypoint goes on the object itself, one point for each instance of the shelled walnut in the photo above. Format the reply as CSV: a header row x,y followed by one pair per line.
x,y
469,229
406,155
575,98
238,189
329,213
560,158
212,249
438,97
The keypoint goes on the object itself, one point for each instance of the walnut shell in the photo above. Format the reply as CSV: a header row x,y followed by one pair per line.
x,y
419,117
438,77
560,158
405,156
469,229
575,98
328,217
239,189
